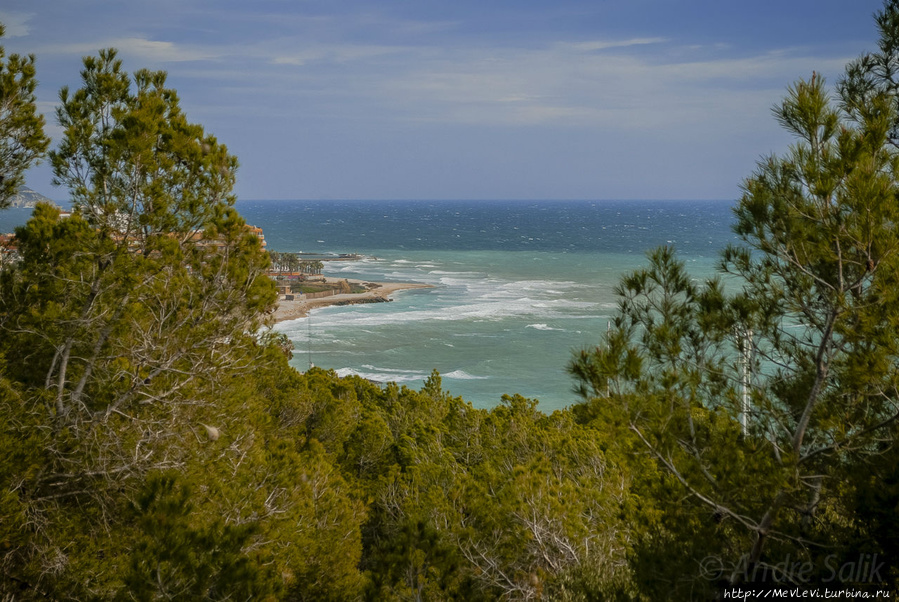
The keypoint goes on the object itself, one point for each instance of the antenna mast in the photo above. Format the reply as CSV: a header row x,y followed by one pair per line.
x,y
746,361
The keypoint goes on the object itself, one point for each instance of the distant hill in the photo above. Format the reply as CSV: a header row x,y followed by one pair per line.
x,y
26,197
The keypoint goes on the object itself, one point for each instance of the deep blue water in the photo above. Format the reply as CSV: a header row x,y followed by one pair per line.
x,y
694,227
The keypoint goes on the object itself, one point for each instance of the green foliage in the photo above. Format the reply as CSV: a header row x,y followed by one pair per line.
x,y
133,163
126,328
22,139
154,285
173,558
874,507
444,501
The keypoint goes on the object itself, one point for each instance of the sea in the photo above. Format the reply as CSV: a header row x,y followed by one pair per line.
x,y
517,286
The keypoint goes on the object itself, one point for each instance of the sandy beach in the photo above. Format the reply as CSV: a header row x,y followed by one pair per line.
x,y
291,310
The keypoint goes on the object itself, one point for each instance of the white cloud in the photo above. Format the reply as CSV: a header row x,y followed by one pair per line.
x,y
646,83
564,85
657,86
333,53
598,45
786,65
163,51
138,48
16,24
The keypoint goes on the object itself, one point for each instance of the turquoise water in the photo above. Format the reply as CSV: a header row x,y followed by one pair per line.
x,y
517,286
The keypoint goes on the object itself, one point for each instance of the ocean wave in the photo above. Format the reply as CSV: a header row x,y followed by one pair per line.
x,y
343,268
401,276
462,375
446,281
486,310
543,327
288,327
535,288
381,376
418,373
459,273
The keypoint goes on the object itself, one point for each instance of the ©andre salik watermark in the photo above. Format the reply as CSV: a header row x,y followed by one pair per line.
x,y
864,569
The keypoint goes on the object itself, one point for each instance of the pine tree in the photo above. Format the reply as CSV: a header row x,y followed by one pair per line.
x,y
758,394
126,327
22,139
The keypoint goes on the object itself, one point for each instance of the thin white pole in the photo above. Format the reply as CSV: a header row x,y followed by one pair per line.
x,y
746,348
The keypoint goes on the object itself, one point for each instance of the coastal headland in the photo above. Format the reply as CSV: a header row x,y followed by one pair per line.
x,y
375,292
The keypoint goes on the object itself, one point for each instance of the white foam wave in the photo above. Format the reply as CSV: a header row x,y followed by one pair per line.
x,y
484,310
381,376
542,327
400,276
418,373
462,375
449,281
460,273
343,268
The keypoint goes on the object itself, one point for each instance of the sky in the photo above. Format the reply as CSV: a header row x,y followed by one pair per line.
x,y
463,99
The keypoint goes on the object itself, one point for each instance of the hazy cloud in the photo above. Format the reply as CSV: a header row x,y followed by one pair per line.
x,y
16,24
138,48
334,53
351,90
597,45
563,85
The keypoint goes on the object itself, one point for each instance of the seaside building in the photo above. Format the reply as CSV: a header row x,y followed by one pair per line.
x,y
258,232
199,238
122,229
9,251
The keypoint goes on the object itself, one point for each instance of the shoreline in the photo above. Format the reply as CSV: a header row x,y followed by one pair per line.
x,y
377,292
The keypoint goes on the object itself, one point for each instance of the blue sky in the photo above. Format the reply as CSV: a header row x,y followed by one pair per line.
x,y
524,99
